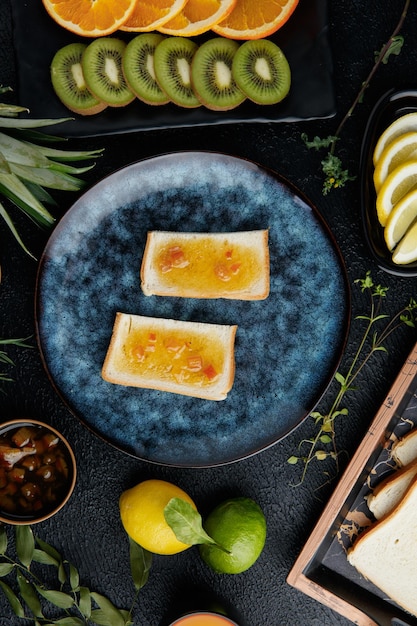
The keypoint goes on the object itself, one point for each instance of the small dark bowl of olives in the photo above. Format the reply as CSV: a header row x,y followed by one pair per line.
x,y
37,471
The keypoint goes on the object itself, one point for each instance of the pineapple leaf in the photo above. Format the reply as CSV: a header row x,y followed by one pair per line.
x,y
9,223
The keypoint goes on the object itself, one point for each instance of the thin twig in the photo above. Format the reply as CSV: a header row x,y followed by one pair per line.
x,y
366,83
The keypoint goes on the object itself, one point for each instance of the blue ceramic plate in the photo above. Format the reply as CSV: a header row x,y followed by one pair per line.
x,y
304,40
287,346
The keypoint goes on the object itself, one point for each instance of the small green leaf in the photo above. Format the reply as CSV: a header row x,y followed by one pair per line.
x,y
379,317
108,615
317,143
85,602
62,575
57,598
340,379
380,349
13,188
293,460
395,48
5,569
186,523
140,564
3,538
325,439
13,600
29,595
49,177
39,556
127,617
70,621
10,224
31,123
68,155
16,342
74,577
327,426
16,151
25,544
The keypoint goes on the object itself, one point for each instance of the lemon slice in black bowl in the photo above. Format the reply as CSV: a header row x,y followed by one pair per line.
x,y
391,106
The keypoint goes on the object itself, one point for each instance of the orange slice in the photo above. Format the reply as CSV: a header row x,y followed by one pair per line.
x,y
255,19
90,18
149,16
198,16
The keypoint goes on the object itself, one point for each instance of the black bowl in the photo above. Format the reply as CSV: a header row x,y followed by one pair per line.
x,y
391,106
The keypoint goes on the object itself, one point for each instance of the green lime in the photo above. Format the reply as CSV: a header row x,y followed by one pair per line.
x,y
238,525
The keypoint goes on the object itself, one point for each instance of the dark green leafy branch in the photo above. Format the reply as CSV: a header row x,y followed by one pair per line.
x,y
68,603
335,174
323,444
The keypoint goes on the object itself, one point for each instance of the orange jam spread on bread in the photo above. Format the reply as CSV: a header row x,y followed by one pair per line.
x,y
180,357
205,262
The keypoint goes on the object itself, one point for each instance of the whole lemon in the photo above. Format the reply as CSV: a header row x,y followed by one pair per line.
x,y
142,515
239,526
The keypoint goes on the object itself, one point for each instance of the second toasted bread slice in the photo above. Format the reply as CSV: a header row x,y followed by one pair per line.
x,y
207,265
188,358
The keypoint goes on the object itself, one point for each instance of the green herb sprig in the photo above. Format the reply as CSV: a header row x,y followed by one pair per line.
x,y
335,174
5,358
323,444
30,166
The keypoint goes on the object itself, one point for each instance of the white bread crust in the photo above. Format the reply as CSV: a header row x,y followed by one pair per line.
x,y
390,491
404,451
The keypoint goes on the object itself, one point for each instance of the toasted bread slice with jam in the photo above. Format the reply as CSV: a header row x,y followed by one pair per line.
x,y
188,358
207,265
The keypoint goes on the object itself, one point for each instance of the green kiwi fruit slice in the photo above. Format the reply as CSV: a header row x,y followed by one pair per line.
x,y
68,81
172,62
262,72
102,67
139,70
211,75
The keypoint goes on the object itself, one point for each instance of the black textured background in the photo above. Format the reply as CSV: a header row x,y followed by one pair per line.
x,y
88,531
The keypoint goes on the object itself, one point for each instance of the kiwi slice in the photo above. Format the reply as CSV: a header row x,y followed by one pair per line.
x,y
139,70
69,83
211,75
102,67
172,61
261,70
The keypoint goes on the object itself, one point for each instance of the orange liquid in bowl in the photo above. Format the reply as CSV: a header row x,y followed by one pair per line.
x,y
203,619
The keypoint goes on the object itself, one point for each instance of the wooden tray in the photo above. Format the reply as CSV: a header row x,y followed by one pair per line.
x,y
322,570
